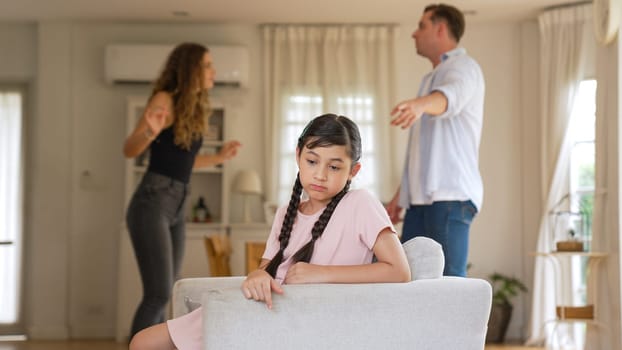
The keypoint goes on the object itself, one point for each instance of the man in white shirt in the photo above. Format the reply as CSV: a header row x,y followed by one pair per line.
x,y
441,187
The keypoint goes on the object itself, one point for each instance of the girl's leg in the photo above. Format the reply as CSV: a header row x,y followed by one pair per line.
x,y
153,338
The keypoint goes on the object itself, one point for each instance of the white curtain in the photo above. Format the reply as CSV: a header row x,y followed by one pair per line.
x,y
316,69
605,233
563,34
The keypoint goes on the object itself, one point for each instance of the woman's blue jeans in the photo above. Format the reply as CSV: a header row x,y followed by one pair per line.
x,y
448,223
155,220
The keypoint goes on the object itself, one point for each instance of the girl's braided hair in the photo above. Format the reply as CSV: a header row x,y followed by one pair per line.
x,y
323,131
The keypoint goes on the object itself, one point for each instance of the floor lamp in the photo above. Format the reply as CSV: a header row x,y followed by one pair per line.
x,y
247,183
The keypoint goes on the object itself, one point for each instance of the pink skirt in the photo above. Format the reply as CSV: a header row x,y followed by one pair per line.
x,y
187,331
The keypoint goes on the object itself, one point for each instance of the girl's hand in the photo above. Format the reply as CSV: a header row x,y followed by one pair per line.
x,y
259,285
156,118
229,150
302,272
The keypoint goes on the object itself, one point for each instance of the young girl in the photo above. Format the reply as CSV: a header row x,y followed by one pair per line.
x,y
329,238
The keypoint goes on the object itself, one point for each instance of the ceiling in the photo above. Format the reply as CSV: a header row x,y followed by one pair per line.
x,y
262,11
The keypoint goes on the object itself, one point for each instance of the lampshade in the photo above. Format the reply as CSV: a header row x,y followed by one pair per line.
x,y
247,182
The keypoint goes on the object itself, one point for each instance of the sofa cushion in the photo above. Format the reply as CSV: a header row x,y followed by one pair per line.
x,y
425,257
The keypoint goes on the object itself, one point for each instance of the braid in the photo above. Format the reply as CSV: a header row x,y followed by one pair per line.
x,y
286,227
306,252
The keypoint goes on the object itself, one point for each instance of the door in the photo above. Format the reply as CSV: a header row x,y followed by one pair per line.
x,y
11,207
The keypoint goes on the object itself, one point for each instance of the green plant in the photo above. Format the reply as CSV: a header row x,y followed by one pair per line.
x,y
505,288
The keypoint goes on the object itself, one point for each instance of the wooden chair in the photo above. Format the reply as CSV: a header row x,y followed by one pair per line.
x,y
254,252
218,248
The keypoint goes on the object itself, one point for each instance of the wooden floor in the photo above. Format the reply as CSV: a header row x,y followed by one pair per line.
x,y
112,345
63,345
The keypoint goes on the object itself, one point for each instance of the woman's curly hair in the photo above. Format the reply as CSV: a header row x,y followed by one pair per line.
x,y
182,77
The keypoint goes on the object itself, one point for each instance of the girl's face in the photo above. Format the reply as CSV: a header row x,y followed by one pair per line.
x,y
324,171
208,71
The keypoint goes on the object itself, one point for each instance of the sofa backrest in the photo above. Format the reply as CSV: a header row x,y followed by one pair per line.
x,y
441,313
430,312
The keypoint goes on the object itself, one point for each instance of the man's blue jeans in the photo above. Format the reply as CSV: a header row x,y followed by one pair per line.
x,y
446,222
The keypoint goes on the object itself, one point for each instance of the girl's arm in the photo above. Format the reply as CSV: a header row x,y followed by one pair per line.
x,y
391,266
228,151
157,116
259,285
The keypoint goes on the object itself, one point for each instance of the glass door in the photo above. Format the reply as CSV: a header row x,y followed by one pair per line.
x,y
11,207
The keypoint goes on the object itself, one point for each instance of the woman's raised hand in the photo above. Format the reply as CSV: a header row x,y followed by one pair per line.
x,y
229,150
156,118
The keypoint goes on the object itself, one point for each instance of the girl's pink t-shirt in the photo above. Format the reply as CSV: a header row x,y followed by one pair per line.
x,y
348,239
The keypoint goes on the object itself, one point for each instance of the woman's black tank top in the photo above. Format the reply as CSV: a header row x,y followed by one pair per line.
x,y
166,158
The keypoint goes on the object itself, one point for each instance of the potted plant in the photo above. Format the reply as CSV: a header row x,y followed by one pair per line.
x,y
504,288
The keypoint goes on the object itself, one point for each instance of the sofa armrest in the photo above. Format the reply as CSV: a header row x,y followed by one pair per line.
x,y
187,292
443,313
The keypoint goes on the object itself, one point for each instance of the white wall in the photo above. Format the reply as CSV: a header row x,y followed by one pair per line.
x,y
19,52
73,224
532,199
49,211
497,233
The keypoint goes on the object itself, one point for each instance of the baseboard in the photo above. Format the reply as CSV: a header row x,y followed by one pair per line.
x,y
48,333
64,333
92,332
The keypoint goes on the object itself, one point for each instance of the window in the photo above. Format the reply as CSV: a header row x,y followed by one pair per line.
x,y
299,109
582,155
581,131
10,204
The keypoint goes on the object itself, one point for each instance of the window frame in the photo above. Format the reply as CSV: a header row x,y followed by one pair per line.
x,y
296,119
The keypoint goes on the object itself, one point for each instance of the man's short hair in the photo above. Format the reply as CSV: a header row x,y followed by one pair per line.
x,y
451,15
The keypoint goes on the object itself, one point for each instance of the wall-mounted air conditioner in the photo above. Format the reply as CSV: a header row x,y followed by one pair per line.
x,y
142,63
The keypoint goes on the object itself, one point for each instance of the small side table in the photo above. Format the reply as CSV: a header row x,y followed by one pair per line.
x,y
574,314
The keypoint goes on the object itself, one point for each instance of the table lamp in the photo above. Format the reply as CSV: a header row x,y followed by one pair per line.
x,y
247,183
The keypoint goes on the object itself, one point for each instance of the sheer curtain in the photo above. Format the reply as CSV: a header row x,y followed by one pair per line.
x,y
563,32
606,209
316,69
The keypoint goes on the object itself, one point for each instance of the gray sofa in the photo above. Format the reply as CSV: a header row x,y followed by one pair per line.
x,y
430,312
